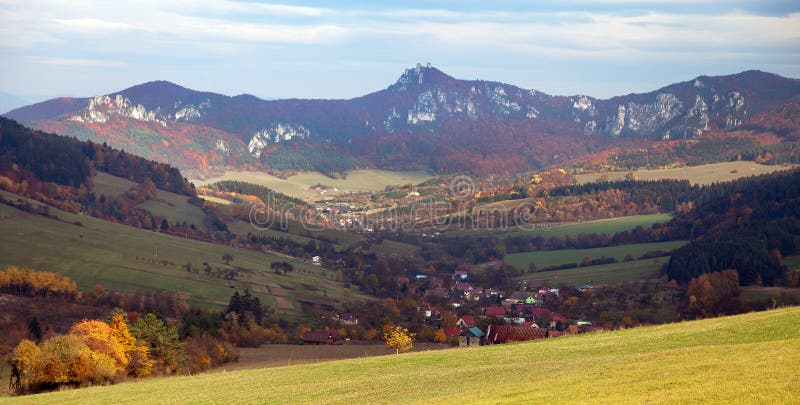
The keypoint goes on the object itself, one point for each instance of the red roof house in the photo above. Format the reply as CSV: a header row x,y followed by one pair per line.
x,y
506,333
466,321
495,311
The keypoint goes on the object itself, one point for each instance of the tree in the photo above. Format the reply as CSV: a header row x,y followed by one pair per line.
x,y
227,258
22,360
162,341
99,337
398,338
279,267
440,336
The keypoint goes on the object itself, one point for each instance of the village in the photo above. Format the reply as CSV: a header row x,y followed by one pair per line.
x,y
470,315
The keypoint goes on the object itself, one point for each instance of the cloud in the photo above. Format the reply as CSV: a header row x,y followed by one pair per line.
x,y
74,62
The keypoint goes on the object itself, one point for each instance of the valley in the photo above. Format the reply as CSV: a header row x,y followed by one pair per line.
x,y
486,217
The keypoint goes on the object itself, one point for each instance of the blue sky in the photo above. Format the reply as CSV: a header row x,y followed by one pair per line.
x,y
343,49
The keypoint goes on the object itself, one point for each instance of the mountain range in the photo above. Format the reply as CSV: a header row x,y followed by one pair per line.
x,y
426,119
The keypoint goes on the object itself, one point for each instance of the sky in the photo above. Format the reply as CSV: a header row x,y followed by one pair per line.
x,y
345,49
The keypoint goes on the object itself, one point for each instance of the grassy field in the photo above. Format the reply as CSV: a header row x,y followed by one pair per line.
x,y
127,259
368,180
557,257
601,274
289,354
110,185
752,358
608,226
703,174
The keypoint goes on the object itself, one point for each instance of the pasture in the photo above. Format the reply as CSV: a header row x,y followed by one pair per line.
x,y
298,185
751,358
703,174
546,258
128,259
600,274
608,226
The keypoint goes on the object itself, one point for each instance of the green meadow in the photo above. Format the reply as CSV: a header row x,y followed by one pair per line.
x,y
91,251
751,358
545,258
607,226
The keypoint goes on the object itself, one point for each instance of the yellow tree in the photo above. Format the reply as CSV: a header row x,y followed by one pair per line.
x,y
99,336
398,338
22,361
139,363
440,336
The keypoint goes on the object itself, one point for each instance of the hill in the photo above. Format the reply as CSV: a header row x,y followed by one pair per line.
x,y
752,358
126,259
425,119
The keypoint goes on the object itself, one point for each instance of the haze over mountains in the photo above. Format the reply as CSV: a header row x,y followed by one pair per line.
x,y
425,119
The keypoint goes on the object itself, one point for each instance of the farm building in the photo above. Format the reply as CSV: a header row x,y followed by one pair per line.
x,y
471,337
505,334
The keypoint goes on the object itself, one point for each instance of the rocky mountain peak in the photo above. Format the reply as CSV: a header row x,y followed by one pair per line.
x,y
420,75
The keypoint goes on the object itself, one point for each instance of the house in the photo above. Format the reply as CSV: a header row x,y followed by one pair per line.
x,y
466,321
452,331
402,281
462,287
460,274
425,308
506,333
537,312
585,287
495,311
471,337
317,338
316,260
348,319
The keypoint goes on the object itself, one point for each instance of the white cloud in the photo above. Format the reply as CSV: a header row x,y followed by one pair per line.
x,y
74,62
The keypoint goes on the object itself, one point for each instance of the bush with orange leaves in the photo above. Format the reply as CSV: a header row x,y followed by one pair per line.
x,y
205,352
93,352
58,361
22,281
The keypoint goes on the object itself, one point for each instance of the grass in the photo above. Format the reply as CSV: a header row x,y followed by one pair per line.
x,y
111,185
366,180
546,258
752,358
607,226
601,274
126,259
703,174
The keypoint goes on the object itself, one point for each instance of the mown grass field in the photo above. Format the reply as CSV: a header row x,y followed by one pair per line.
x,y
752,358
557,257
127,259
601,274
608,226
366,180
111,185
703,174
